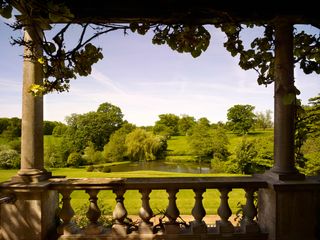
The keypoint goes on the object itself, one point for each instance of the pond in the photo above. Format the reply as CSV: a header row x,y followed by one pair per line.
x,y
189,167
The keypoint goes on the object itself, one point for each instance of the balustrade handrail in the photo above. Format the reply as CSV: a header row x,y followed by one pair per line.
x,y
158,183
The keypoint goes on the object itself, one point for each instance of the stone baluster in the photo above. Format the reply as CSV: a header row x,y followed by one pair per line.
x,y
224,211
248,224
68,227
145,212
119,214
198,212
172,213
93,214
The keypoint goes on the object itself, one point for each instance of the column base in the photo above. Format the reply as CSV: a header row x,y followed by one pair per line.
x,y
31,175
294,176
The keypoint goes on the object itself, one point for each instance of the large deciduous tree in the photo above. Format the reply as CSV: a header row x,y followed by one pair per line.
x,y
95,127
185,123
116,149
264,120
307,133
167,123
200,141
144,146
241,118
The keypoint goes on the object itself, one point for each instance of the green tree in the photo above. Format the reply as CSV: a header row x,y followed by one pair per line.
x,y
74,159
264,120
246,152
307,130
169,122
200,141
116,149
53,154
91,156
9,159
144,146
313,116
13,129
204,121
59,129
48,127
114,113
220,144
185,123
4,123
241,118
95,127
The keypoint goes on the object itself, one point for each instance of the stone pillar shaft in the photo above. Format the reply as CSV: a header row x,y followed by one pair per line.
x,y
32,163
284,100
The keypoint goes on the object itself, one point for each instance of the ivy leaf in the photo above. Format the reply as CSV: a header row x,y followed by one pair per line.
x,y
41,60
134,26
59,12
6,12
36,90
289,99
50,47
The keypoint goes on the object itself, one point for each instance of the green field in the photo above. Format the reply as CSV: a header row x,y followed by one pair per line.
x,y
158,198
179,149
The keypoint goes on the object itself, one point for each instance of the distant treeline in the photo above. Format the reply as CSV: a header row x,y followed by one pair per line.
x,y
105,136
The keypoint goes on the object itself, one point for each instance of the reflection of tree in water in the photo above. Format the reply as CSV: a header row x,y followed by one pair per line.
x,y
193,167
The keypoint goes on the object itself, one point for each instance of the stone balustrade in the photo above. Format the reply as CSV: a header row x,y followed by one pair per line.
x,y
170,228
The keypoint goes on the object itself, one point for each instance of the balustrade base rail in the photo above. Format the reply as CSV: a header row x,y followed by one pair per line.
x,y
208,236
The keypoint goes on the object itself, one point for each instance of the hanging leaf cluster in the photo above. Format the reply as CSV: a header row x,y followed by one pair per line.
x,y
307,52
61,63
260,55
193,39
5,9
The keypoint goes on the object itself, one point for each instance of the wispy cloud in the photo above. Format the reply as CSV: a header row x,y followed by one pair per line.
x,y
11,85
103,79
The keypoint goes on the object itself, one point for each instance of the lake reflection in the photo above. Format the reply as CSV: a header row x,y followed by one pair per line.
x,y
163,166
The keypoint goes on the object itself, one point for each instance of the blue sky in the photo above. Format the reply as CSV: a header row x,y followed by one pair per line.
x,y
146,80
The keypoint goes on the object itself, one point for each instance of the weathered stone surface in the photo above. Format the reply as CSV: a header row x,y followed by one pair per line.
x,y
32,216
289,210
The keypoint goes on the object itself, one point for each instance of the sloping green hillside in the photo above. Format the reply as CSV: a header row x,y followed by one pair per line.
x,y
179,148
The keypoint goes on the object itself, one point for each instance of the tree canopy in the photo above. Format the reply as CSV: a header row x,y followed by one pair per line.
x,y
95,127
241,118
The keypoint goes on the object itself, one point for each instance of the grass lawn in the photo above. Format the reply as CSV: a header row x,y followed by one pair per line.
x,y
158,198
179,149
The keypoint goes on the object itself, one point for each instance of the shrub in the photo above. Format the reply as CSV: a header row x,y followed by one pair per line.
x,y
106,169
90,168
91,156
15,145
74,159
9,159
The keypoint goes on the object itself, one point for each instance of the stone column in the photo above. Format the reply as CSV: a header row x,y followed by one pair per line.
x,y
287,210
284,103
32,164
